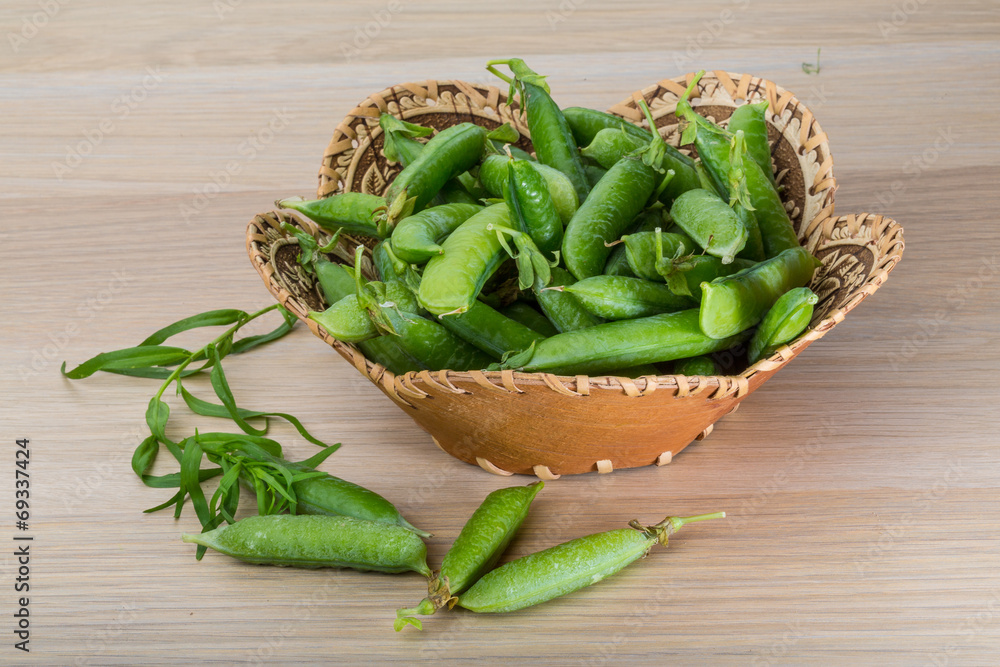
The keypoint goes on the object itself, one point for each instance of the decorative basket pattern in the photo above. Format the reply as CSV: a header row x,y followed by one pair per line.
x,y
538,423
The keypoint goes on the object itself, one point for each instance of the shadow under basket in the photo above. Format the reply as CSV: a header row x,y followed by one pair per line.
x,y
509,422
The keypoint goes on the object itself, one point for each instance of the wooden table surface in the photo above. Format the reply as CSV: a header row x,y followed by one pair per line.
x,y
861,482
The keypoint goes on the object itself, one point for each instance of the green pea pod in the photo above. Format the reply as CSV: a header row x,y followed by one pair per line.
x,y
605,215
562,308
415,239
643,251
399,139
531,207
750,119
318,541
786,319
711,223
737,302
470,255
714,146
611,145
550,133
322,493
776,231
523,312
489,330
493,176
701,365
685,275
432,344
594,174
647,221
476,550
622,344
586,123
347,320
568,567
337,281
452,151
625,297
354,212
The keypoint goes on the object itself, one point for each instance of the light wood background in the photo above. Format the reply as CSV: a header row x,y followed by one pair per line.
x,y
861,483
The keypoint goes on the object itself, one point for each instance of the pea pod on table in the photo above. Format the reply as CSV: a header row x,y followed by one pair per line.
x,y
784,321
568,567
550,133
315,541
478,547
735,303
323,493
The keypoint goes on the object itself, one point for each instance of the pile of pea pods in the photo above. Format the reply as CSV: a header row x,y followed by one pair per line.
x,y
607,252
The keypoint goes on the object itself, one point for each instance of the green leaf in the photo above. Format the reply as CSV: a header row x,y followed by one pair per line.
x,y
128,358
212,318
222,443
144,455
250,342
207,409
153,373
157,414
225,394
506,134
191,480
173,480
316,459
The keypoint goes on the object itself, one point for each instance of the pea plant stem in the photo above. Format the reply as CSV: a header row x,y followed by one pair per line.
x,y
203,352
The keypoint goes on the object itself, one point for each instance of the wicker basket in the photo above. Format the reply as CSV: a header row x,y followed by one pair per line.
x,y
537,423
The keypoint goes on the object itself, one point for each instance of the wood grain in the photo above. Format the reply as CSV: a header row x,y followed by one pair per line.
x,y
861,482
